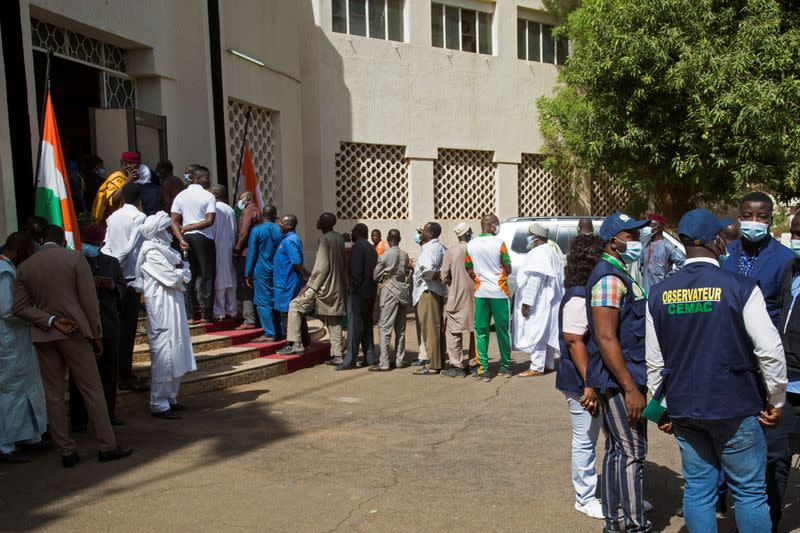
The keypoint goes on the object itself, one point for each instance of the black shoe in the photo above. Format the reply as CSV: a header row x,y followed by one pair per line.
x,y
419,362
454,372
169,414
679,512
344,367
116,421
42,445
113,455
70,460
14,458
505,372
177,407
377,368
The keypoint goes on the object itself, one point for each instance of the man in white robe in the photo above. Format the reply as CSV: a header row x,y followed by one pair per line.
x,y
162,276
224,239
540,287
23,414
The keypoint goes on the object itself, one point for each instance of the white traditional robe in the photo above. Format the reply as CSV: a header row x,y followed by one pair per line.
x,y
162,276
540,284
225,282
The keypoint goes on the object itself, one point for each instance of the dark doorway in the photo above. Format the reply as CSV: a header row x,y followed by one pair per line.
x,y
74,88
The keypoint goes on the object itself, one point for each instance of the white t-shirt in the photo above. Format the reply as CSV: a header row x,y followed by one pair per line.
x,y
574,316
487,254
193,204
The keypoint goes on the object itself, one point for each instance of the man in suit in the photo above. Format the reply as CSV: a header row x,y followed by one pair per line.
x,y
361,300
764,260
55,292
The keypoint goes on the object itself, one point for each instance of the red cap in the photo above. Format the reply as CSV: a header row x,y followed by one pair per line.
x,y
655,217
131,157
93,234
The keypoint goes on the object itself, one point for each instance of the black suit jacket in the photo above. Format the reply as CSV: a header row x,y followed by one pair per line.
x,y
363,259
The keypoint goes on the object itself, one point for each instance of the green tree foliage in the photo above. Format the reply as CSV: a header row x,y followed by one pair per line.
x,y
687,100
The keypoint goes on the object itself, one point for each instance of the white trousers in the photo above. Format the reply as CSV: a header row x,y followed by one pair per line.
x,y
543,358
585,431
163,395
225,303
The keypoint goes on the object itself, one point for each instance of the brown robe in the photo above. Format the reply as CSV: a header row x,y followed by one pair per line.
x,y
461,290
328,276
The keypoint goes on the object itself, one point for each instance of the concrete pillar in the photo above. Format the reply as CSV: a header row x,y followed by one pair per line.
x,y
420,193
507,190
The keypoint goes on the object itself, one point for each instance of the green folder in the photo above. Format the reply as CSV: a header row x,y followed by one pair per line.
x,y
655,409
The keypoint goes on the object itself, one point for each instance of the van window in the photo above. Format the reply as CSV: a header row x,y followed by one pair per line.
x,y
565,236
520,243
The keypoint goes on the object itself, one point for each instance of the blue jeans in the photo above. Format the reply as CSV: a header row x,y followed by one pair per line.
x,y
738,447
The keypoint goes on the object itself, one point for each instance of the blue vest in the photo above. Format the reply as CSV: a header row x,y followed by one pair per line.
x,y
709,367
767,271
567,377
630,333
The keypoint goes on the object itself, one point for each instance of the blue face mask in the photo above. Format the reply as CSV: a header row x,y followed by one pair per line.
x,y
646,232
795,244
241,204
417,238
632,253
90,250
186,178
753,231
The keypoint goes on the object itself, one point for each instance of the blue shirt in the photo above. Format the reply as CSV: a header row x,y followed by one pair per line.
x,y
658,261
794,377
285,278
261,247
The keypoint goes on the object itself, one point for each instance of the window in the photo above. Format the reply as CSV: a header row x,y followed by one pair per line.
x,y
379,19
535,42
455,28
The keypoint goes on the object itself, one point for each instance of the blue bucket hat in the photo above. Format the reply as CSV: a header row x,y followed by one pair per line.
x,y
617,222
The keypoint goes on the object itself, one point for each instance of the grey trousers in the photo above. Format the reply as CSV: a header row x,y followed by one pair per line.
x,y
302,306
393,318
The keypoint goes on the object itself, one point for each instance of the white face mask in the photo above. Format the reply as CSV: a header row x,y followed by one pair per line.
x,y
186,178
241,204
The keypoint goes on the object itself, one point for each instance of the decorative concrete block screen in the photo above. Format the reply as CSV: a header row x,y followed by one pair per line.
x,y
371,181
119,89
464,184
607,197
262,137
540,194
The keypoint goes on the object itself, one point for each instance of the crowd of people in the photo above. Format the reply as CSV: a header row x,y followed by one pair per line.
x,y
703,322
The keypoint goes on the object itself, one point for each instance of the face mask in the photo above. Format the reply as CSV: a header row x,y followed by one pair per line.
x,y
418,238
186,178
753,231
795,246
531,240
90,250
241,204
101,171
646,232
632,253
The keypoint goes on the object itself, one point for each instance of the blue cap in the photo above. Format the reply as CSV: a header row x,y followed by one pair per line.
x,y
699,227
617,222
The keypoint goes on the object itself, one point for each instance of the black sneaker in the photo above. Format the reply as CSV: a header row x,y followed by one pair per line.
x,y
454,372
505,372
419,362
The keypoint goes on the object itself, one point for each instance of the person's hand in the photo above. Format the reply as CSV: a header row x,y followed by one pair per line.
x,y
589,400
303,290
770,416
526,310
132,174
665,425
98,281
249,282
183,230
65,326
183,244
635,403
97,347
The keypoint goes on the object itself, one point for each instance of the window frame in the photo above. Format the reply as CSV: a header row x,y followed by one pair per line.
x,y
461,6
386,24
531,19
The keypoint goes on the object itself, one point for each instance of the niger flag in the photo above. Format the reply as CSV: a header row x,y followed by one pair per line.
x,y
248,181
53,197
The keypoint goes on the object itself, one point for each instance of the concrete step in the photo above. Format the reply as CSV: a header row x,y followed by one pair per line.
x,y
200,343
216,358
141,334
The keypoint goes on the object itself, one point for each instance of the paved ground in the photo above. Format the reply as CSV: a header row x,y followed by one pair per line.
x,y
320,450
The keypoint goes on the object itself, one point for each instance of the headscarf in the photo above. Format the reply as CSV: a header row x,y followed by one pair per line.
x,y
144,175
157,238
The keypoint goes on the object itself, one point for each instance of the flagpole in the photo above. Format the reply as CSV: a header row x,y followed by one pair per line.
x,y
241,153
41,117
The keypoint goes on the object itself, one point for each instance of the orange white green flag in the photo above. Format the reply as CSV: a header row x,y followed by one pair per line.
x,y
53,197
248,181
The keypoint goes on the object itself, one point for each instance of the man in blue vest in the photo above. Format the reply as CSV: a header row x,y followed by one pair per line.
x,y
616,370
764,260
704,326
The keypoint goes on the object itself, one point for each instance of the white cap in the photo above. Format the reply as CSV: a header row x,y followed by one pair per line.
x,y
540,231
461,229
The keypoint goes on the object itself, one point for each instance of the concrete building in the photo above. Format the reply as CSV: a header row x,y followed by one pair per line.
x,y
391,112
